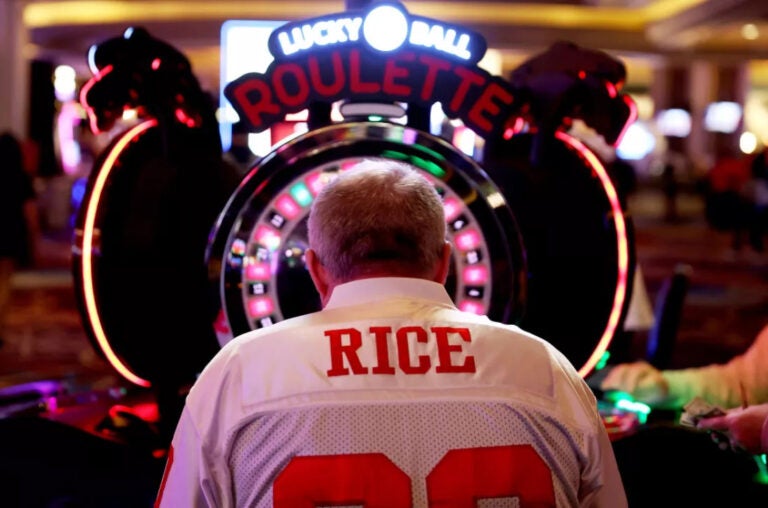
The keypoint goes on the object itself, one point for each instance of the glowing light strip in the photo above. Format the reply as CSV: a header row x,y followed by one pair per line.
x,y
622,247
84,12
87,264
97,76
632,117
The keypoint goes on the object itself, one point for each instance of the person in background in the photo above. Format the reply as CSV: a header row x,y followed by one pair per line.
x,y
18,219
390,395
740,386
756,195
726,206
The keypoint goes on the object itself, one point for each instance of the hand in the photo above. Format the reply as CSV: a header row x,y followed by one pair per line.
x,y
641,380
742,426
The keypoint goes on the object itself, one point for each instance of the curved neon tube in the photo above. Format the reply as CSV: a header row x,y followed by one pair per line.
x,y
92,310
98,75
622,245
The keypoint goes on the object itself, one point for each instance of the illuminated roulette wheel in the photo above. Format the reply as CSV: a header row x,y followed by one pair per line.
x,y
255,255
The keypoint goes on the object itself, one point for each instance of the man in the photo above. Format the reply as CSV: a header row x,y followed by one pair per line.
x,y
739,385
389,396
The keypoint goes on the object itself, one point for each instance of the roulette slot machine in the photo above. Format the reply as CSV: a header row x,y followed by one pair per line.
x,y
540,234
175,253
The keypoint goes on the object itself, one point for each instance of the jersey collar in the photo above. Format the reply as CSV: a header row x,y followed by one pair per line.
x,y
376,289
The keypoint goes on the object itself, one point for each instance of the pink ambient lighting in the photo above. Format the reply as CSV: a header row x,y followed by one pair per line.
x,y
632,117
452,208
467,240
473,307
86,261
315,182
622,246
267,237
93,120
288,207
185,119
260,306
257,271
475,275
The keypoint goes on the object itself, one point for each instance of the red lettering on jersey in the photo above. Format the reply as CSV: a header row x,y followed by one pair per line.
x,y
445,348
463,476
339,350
346,343
381,335
403,351
368,479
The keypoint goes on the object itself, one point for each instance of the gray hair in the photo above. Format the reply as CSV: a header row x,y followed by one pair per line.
x,y
378,217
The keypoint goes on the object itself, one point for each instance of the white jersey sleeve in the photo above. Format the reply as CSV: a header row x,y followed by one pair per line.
x,y
189,480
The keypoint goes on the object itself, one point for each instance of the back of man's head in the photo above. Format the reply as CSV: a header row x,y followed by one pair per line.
x,y
378,218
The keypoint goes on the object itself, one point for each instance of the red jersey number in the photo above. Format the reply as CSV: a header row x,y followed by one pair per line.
x,y
461,478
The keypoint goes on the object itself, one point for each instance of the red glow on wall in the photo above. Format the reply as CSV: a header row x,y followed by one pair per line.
x,y
622,247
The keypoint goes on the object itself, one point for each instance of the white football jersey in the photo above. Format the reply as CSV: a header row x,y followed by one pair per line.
x,y
390,397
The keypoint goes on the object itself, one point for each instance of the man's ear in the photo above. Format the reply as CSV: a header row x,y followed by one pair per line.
x,y
319,275
444,265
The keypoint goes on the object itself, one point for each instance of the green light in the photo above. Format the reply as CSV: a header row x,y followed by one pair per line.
x,y
641,410
428,166
635,407
603,361
761,476
617,396
393,154
375,118
433,154
301,194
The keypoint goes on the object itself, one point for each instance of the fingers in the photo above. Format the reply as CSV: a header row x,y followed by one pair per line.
x,y
625,377
713,423
639,379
